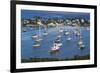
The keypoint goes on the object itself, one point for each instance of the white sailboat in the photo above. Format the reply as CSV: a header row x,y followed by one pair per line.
x,y
57,43
81,43
59,36
66,33
61,30
35,36
69,38
45,33
36,45
38,37
77,31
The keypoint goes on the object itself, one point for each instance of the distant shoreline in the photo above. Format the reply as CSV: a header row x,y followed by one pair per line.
x,y
31,25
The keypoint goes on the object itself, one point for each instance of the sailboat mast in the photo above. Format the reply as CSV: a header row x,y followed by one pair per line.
x,y
39,29
58,30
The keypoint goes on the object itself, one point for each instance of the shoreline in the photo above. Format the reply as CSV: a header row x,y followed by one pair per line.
x,y
76,57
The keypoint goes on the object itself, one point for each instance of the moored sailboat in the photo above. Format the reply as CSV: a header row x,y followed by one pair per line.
x,y
45,33
35,36
81,43
38,37
36,45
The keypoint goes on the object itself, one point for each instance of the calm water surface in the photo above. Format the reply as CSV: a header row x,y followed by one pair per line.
x,y
68,49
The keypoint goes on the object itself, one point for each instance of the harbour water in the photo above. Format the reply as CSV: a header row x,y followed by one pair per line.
x,y
69,48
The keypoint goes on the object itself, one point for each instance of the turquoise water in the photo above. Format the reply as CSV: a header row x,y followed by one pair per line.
x,y
67,50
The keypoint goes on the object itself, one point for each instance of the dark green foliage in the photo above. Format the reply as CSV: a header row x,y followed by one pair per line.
x,y
76,57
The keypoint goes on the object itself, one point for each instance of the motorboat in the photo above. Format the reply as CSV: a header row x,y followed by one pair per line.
x,y
55,48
